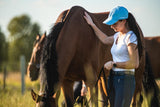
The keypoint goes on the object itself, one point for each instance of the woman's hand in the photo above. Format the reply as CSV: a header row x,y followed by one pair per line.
x,y
88,19
108,65
83,91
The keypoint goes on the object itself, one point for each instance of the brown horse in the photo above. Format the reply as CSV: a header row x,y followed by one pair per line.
x,y
72,51
152,46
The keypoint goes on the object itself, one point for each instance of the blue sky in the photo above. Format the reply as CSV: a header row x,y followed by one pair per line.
x,y
45,12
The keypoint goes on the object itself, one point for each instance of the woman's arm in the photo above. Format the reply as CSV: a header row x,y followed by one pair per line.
x,y
134,58
103,37
130,64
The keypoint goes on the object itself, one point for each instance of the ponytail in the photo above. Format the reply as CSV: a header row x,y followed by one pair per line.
x,y
132,24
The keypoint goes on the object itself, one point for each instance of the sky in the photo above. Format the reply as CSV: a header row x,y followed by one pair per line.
x,y
45,12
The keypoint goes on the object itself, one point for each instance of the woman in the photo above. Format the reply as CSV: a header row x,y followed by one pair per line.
x,y
126,51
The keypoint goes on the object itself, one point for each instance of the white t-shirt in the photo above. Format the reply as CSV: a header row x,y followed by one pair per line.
x,y
119,51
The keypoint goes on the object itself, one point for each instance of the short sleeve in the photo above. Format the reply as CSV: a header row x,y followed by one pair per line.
x,y
131,38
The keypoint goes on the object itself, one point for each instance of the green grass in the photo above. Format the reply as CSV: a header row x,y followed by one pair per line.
x,y
14,98
11,96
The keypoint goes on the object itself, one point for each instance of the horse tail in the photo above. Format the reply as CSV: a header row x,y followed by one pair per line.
x,y
49,67
149,83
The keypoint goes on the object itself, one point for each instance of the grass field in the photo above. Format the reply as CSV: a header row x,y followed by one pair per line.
x,y
11,96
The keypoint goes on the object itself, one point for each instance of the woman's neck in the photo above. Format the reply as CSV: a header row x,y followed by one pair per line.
x,y
124,31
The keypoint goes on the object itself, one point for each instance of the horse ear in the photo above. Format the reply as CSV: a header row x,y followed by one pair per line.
x,y
43,37
38,37
35,96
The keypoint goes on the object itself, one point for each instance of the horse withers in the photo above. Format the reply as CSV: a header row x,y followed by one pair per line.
x,y
72,52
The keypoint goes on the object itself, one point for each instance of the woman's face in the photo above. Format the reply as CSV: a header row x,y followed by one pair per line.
x,y
119,26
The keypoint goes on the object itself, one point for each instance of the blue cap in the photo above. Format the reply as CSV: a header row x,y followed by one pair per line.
x,y
116,14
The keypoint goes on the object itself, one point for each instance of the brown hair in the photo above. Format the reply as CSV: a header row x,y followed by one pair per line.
x,y
132,24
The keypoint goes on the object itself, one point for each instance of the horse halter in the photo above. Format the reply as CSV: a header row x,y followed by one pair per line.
x,y
33,64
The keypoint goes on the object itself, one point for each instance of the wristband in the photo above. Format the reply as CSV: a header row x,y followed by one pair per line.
x,y
114,64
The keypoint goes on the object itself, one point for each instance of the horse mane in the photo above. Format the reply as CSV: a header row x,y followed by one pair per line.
x,y
48,66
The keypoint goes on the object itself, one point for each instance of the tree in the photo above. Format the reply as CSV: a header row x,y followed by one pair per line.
x,y
3,49
22,35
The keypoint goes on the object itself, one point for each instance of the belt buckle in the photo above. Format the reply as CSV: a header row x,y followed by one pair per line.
x,y
128,72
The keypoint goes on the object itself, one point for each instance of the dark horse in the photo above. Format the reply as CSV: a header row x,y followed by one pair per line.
x,y
152,46
152,69
72,52
34,63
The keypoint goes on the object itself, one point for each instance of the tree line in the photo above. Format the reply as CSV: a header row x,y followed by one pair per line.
x,y
22,33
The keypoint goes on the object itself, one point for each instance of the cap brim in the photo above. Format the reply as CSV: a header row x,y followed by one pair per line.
x,y
110,21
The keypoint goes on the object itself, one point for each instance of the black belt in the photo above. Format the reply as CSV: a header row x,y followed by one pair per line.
x,y
122,72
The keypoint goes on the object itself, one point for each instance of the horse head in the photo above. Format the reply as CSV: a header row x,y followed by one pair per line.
x,y
34,64
42,100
